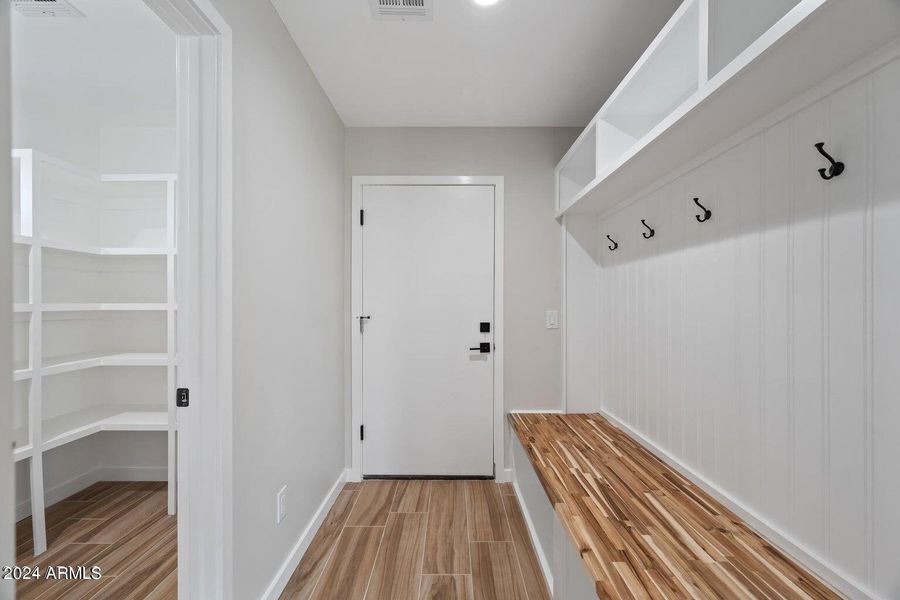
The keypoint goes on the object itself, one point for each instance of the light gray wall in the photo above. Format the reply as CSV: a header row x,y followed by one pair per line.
x,y
526,158
6,471
288,292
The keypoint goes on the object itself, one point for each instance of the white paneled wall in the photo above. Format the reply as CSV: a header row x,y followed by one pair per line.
x,y
761,349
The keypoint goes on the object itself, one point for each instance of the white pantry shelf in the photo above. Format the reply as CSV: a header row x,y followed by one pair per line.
x,y
22,374
98,251
22,452
82,423
61,211
105,306
79,362
809,44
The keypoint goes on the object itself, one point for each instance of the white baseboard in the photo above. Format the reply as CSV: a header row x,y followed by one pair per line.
x,y
76,484
133,474
293,559
809,560
535,542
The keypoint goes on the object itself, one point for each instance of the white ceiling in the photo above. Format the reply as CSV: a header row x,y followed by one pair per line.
x,y
517,63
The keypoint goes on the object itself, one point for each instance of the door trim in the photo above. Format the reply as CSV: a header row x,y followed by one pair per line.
x,y
204,205
355,418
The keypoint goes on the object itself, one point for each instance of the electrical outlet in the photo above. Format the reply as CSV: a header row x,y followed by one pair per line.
x,y
281,505
552,319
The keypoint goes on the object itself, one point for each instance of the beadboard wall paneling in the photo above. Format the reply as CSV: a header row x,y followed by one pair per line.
x,y
761,349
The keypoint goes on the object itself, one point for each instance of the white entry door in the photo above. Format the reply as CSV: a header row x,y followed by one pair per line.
x,y
427,288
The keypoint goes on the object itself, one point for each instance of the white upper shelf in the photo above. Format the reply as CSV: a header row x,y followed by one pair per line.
x,y
95,419
105,306
78,362
82,423
84,249
667,111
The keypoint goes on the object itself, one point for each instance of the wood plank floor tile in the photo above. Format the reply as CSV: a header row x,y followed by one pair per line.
x,y
53,515
411,496
446,539
348,571
423,552
113,504
65,532
373,504
98,491
302,582
495,572
397,571
507,489
63,555
352,485
446,587
532,574
167,590
144,553
77,590
118,557
149,571
487,519
121,525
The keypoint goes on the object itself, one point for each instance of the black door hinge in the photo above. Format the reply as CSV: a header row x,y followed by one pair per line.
x,y
362,217
362,432
182,398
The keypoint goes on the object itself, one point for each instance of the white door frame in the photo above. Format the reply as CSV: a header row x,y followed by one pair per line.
x,y
358,182
204,154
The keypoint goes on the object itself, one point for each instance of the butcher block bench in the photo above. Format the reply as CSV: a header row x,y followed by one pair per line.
x,y
633,526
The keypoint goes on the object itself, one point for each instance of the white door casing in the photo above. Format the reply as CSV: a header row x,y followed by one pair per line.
x,y
427,269
204,192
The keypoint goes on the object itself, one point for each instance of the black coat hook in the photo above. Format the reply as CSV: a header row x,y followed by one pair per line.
x,y
836,167
615,244
652,231
706,212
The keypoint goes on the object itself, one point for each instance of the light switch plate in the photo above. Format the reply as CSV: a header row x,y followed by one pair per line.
x,y
552,319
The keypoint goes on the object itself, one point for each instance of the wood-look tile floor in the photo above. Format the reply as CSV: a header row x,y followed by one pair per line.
x,y
421,540
121,527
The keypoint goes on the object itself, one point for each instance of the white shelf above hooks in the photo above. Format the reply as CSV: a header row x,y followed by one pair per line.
x,y
796,53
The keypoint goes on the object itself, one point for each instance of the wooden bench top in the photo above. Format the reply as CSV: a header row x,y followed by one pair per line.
x,y
642,529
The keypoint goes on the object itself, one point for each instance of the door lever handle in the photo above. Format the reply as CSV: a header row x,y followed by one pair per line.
x,y
483,347
363,319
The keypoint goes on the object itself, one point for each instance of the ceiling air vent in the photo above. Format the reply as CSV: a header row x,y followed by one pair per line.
x,y
402,10
46,8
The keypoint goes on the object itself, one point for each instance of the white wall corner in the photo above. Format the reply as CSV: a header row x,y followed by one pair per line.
x,y
293,559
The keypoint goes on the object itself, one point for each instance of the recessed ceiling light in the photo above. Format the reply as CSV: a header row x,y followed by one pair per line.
x,y
485,2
